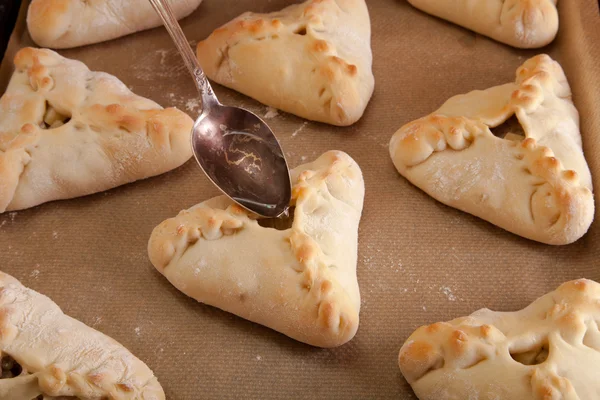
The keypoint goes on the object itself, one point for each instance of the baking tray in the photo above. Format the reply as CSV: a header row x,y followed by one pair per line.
x,y
419,261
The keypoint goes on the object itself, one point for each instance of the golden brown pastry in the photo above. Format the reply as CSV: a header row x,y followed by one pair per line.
x,y
66,131
61,24
299,281
537,186
547,351
311,59
45,352
519,23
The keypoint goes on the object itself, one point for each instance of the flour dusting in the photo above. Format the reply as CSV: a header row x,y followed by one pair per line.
x,y
271,113
448,292
35,273
297,131
258,358
54,235
163,55
137,331
192,105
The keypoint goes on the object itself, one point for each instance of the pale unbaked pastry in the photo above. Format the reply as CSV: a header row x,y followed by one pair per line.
x,y
300,281
311,59
66,131
539,187
60,356
519,23
550,350
62,24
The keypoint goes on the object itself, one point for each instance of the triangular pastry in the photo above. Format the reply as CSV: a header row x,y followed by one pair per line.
x,y
61,24
549,350
311,59
45,352
66,131
300,281
539,187
520,23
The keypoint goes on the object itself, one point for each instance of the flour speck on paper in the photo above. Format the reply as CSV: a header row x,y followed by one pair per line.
x,y
271,113
193,105
297,131
448,292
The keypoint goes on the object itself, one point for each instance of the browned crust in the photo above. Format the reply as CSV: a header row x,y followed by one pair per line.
x,y
416,141
464,342
56,379
162,128
335,316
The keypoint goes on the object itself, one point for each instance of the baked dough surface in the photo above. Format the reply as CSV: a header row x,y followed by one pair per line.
x,y
66,132
539,187
311,59
520,23
550,350
60,356
299,281
61,24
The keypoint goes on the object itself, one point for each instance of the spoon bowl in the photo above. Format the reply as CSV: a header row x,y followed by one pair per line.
x,y
240,154
235,148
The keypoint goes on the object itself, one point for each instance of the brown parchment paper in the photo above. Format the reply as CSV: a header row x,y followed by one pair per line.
x,y
419,261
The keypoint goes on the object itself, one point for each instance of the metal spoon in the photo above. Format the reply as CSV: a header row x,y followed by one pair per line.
x,y
234,147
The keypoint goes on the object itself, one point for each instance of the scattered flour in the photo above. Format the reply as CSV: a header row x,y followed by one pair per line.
x,y
297,131
258,358
35,273
96,321
12,216
303,158
448,292
55,235
137,331
163,55
3,223
200,266
424,308
271,113
192,105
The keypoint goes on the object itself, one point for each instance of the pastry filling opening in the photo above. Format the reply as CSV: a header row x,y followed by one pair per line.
x,y
534,356
510,129
281,224
53,118
591,338
10,368
300,30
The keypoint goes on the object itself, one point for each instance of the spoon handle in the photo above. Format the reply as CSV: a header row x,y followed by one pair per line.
x,y
163,9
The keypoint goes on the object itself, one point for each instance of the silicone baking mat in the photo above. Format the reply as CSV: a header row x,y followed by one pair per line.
x,y
419,261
